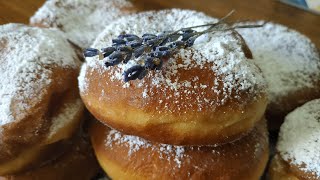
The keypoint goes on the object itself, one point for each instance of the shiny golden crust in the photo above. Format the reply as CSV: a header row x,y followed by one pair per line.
x,y
126,157
196,128
127,111
78,163
282,170
40,104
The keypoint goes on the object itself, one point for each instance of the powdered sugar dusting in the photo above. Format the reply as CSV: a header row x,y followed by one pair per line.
x,y
251,145
288,59
220,53
299,138
70,110
26,53
81,20
135,143
83,83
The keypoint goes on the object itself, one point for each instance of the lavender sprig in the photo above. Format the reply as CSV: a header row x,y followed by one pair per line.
x,y
154,49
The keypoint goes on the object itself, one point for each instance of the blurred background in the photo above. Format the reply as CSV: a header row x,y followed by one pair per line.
x,y
302,15
309,5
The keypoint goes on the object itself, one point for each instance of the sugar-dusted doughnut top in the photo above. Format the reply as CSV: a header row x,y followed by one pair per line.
x,y
289,60
29,56
299,138
213,72
81,20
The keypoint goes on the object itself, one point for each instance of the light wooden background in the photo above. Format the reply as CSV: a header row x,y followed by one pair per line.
x,y
305,22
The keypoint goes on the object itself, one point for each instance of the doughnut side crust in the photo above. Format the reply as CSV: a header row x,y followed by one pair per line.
x,y
130,157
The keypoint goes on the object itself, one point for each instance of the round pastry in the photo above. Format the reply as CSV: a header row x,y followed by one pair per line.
x,y
290,63
206,94
81,20
39,103
77,163
298,147
137,158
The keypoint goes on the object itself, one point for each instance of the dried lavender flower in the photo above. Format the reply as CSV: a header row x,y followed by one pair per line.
x,y
133,73
90,52
154,49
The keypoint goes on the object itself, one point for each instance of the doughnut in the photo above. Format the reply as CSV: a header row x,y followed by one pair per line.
x,y
40,104
298,147
130,157
77,163
290,63
83,20
206,94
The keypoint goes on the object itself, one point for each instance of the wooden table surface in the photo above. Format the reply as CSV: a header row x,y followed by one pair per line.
x,y
303,21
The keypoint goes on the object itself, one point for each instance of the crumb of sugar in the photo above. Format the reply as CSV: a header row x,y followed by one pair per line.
x,y
299,138
221,50
288,59
81,20
24,55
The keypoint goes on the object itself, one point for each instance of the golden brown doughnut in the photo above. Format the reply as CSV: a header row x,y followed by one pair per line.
x,y
209,93
298,147
290,63
39,104
130,157
79,163
83,20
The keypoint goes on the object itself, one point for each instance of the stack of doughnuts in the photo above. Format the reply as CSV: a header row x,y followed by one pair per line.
x,y
298,147
83,20
200,117
40,107
290,63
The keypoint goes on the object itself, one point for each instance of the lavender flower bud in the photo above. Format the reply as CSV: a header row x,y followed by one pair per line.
x,y
149,63
134,44
143,74
127,58
186,36
133,73
139,51
177,44
190,41
107,51
90,52
115,55
124,49
118,41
